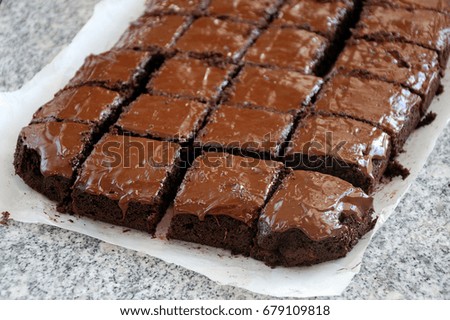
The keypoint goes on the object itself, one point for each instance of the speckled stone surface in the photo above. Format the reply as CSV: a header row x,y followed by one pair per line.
x,y
408,258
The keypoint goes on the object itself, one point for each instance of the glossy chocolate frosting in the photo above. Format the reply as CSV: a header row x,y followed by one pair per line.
x,y
288,48
163,118
81,104
424,27
249,10
128,169
315,204
249,129
152,32
317,16
212,36
59,145
289,90
223,184
377,102
438,5
175,6
412,66
356,142
191,78
112,69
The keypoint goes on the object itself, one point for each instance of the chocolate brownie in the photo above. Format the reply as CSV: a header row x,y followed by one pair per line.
x,y
163,118
120,70
214,38
426,28
405,64
390,107
91,105
253,132
289,48
190,78
310,219
180,7
127,181
251,11
48,154
153,33
328,18
349,149
220,199
437,5
289,91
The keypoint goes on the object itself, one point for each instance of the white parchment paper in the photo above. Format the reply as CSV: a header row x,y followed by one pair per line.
x,y
110,19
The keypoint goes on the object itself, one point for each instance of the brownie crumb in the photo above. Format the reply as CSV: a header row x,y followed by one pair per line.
x,y
5,217
440,90
429,118
70,220
395,169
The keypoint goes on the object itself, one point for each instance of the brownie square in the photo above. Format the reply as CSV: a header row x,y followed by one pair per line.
x,y
426,28
288,48
405,64
328,18
180,7
437,5
349,149
120,70
153,33
91,105
214,38
251,11
258,133
163,118
390,107
310,219
289,91
127,181
48,154
220,199
190,78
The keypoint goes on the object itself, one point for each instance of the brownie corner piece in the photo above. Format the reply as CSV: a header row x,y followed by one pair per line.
x,y
352,150
220,198
244,131
312,218
48,154
128,181
120,70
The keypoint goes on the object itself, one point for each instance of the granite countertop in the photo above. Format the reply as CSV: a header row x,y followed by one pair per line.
x,y
408,258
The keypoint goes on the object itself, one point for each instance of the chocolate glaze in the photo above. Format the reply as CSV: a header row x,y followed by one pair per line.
x,y
423,27
246,129
315,204
247,10
438,5
288,48
317,16
412,66
163,118
289,90
128,169
190,78
175,6
82,104
379,103
152,32
59,145
209,36
223,184
115,69
319,135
